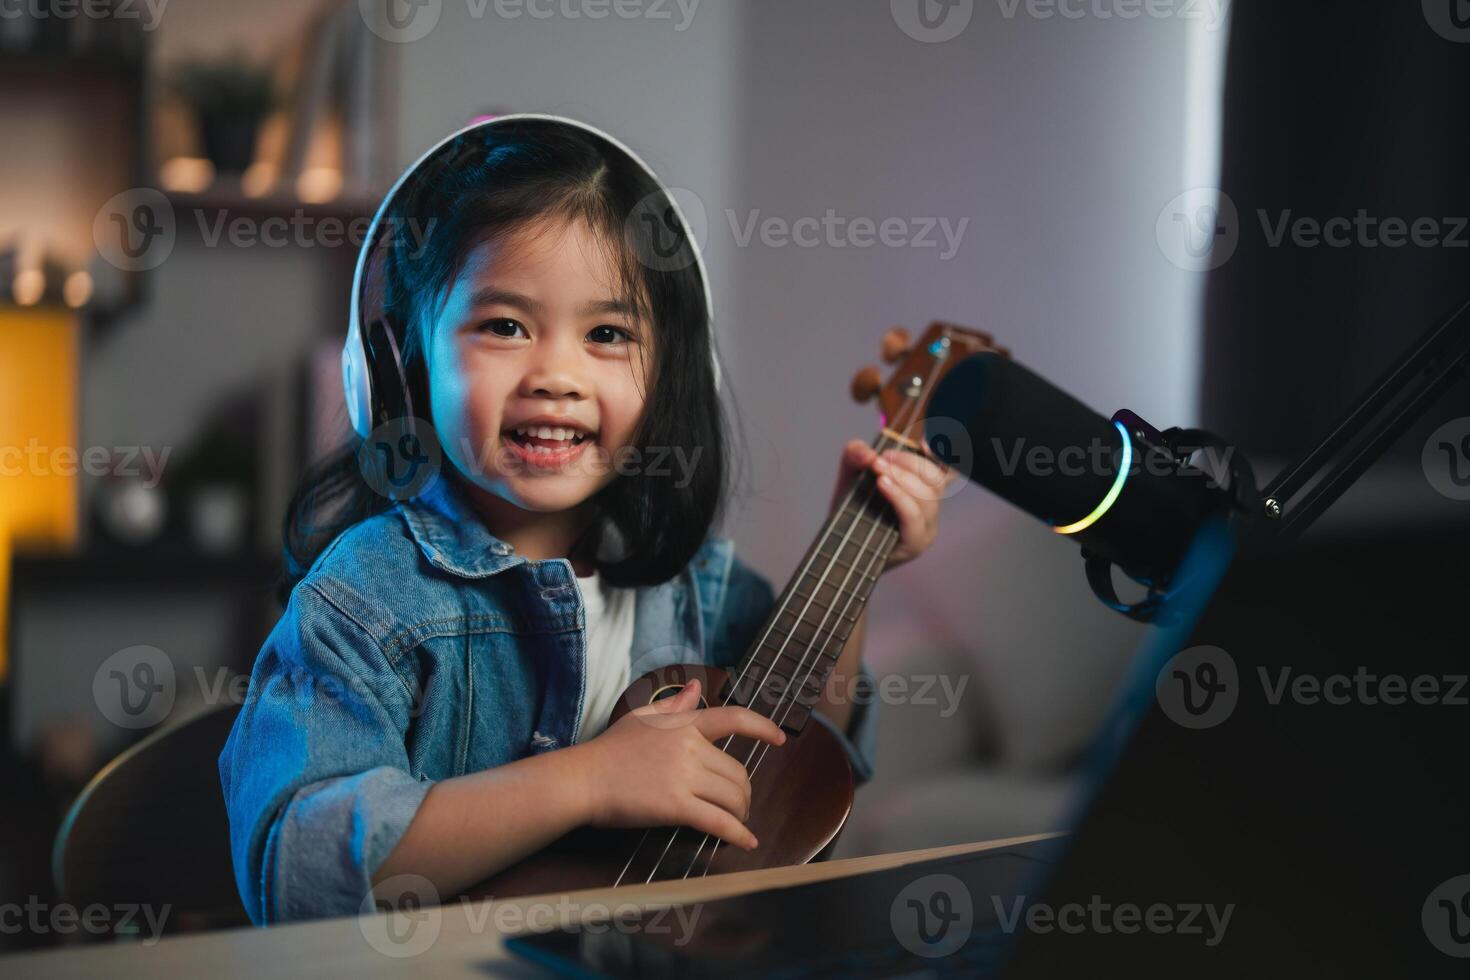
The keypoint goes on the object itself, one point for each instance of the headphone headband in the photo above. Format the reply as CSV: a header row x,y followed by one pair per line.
x,y
357,375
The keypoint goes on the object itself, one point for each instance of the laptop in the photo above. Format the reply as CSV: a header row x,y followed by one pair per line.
x,y
1281,787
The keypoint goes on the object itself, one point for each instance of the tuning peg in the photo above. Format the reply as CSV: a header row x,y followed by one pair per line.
x,y
865,384
895,344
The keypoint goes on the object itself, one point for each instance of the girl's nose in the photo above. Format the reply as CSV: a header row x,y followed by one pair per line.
x,y
557,373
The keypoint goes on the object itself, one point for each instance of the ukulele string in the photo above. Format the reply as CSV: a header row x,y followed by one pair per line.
x,y
725,745
882,550
889,533
870,489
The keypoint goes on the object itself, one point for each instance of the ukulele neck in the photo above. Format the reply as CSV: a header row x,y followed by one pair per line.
x,y
783,676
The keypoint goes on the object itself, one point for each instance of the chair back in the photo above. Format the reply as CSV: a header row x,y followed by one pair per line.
x,y
150,829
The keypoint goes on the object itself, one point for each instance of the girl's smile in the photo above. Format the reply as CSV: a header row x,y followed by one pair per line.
x,y
545,444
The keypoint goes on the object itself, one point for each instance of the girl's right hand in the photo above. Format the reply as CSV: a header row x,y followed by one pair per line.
x,y
657,766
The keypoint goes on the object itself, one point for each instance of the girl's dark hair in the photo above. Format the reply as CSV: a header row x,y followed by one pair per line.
x,y
486,185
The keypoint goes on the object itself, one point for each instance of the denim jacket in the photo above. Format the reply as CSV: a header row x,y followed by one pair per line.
x,y
420,647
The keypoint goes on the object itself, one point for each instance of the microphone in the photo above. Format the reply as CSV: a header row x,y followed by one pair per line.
x,y
1127,493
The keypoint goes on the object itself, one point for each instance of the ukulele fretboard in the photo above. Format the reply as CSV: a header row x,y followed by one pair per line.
x,y
797,647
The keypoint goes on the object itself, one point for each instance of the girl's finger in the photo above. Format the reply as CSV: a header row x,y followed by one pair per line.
x,y
856,457
910,514
726,765
716,723
928,472
914,485
729,796
686,700
709,818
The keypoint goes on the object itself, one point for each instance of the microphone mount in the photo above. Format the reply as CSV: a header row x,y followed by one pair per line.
x,y
1301,493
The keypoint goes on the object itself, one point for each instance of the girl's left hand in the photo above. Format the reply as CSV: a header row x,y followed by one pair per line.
x,y
911,483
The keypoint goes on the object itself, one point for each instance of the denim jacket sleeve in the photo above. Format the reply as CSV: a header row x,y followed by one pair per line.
x,y
316,776
749,599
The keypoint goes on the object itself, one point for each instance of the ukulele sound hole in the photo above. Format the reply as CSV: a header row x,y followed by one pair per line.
x,y
669,690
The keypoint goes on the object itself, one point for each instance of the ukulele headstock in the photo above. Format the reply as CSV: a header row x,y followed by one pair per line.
x,y
903,400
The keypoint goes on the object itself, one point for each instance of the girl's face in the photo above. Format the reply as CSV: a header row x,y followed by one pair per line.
x,y
536,332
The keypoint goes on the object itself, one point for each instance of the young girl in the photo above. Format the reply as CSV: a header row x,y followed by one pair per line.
x,y
433,700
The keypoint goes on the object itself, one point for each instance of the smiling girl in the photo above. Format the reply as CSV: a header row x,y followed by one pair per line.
x,y
434,699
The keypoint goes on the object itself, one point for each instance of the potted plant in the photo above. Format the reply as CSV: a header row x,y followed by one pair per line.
x,y
215,479
229,99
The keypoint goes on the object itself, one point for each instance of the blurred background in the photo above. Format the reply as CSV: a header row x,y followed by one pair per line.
x,y
1100,185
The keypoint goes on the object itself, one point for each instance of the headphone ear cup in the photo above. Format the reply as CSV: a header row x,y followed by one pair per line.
x,y
357,383
390,398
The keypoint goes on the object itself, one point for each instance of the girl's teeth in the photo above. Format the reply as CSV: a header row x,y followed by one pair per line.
x,y
555,433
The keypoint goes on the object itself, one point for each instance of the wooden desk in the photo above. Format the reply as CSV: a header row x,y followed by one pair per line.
x,y
467,944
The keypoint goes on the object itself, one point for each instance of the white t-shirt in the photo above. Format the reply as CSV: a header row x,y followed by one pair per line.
x,y
609,650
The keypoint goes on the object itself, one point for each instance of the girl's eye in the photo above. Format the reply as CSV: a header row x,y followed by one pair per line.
x,y
618,334
497,325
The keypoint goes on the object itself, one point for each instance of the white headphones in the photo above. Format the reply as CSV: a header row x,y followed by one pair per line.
x,y
371,361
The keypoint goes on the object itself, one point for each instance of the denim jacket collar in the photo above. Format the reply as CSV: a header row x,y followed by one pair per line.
x,y
451,535
672,619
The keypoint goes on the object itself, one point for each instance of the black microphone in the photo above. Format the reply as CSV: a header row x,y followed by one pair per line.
x,y
1124,491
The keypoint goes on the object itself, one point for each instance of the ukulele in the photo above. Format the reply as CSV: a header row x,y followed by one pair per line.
x,y
801,791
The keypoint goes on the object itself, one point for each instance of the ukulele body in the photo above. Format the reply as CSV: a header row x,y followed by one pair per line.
x,y
801,795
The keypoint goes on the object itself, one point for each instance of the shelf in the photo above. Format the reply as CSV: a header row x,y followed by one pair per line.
x,y
117,569
228,197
